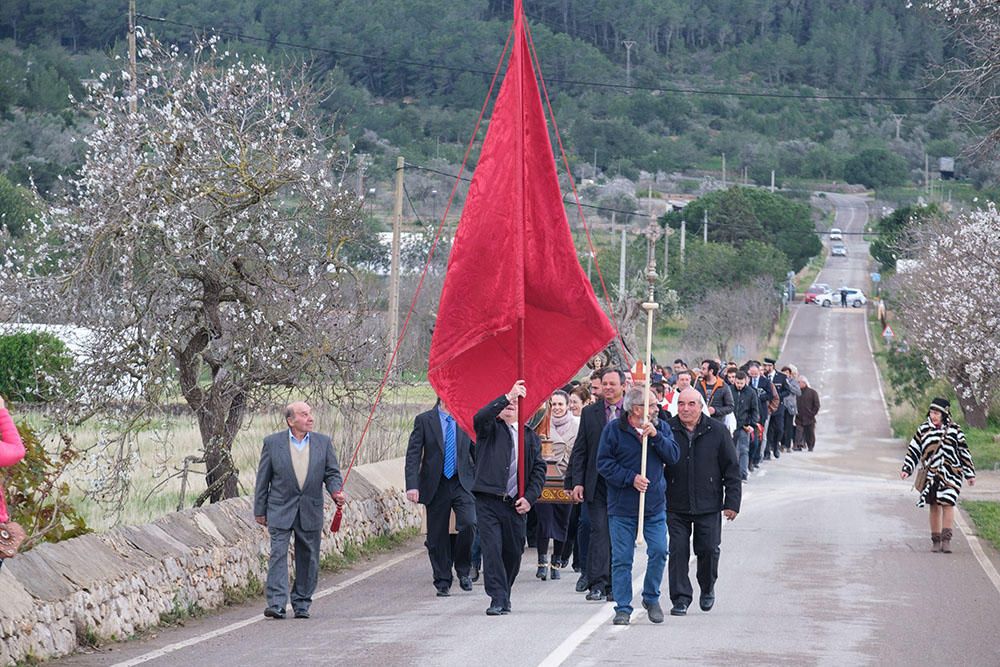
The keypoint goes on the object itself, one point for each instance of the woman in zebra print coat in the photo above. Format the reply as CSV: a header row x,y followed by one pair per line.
x,y
939,447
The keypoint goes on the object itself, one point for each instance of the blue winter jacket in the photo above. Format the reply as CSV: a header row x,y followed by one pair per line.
x,y
619,457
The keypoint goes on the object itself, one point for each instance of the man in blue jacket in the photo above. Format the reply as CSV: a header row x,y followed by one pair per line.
x,y
619,460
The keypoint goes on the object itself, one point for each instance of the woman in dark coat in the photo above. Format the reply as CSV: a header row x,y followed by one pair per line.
x,y
939,448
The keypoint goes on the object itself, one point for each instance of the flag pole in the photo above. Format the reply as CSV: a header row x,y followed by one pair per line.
x,y
516,56
649,306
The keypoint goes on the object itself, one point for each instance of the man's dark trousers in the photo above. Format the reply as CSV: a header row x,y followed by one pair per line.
x,y
707,537
444,549
599,549
775,429
501,537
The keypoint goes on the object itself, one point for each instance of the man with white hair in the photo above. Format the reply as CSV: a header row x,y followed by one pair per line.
x,y
805,420
702,486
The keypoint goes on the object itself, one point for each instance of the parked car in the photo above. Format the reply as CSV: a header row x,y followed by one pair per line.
x,y
815,291
855,298
838,250
836,234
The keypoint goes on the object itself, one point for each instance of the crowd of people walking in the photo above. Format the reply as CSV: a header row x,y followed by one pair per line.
x,y
707,429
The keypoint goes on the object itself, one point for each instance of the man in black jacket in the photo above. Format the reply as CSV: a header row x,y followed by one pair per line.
x,y
439,476
590,487
745,408
500,509
703,483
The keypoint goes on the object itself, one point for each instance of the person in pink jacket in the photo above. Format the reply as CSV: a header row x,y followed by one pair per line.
x,y
11,451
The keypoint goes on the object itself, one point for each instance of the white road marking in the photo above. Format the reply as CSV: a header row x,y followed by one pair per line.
x,y
171,648
600,617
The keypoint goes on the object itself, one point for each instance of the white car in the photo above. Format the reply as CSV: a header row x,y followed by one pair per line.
x,y
838,250
855,298
836,234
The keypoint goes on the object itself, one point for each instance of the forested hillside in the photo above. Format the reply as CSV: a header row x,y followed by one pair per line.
x,y
411,76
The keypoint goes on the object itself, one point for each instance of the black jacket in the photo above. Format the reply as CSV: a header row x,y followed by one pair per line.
x,y
707,467
780,382
493,451
425,456
583,461
745,407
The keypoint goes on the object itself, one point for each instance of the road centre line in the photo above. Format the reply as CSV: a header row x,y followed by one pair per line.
x,y
171,648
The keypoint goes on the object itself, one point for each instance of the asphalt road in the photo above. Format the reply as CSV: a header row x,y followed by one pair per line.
x,y
828,563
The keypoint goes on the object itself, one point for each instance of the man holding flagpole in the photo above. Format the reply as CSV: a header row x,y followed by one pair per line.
x,y
500,509
619,460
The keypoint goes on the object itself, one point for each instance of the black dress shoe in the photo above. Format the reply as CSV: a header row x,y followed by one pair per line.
x,y
596,595
706,601
465,583
582,584
494,610
475,574
504,610
302,613
274,612
442,592
679,609
654,611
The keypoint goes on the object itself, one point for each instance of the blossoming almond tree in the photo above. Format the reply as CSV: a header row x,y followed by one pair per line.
x,y
974,73
202,244
949,302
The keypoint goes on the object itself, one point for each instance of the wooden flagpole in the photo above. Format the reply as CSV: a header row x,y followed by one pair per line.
x,y
516,56
649,306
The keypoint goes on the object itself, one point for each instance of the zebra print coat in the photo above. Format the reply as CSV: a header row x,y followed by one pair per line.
x,y
947,460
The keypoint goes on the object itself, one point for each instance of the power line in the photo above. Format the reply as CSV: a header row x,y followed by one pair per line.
x,y
568,82
607,209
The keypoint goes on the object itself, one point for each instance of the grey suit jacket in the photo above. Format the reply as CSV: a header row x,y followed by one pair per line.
x,y
278,496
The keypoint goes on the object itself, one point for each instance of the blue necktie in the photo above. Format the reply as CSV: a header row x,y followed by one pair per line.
x,y
449,447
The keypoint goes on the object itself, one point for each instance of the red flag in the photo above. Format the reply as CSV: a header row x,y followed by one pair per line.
x,y
513,261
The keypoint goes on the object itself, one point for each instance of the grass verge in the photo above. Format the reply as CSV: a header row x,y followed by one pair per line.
x,y
354,553
985,515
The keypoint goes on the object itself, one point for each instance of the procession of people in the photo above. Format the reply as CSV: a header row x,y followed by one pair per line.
x,y
704,432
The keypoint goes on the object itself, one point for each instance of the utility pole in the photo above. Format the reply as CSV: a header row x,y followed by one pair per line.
x,y
898,117
723,171
704,228
628,61
621,269
612,222
927,173
772,180
595,164
684,225
132,88
397,222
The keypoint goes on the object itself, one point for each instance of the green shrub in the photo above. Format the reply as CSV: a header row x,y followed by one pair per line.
x,y
37,497
33,367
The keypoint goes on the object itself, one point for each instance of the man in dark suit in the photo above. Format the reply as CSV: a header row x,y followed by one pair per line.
x,y
295,466
439,476
590,487
500,508
776,424
761,385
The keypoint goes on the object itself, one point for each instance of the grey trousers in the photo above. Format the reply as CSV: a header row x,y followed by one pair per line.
x,y
307,544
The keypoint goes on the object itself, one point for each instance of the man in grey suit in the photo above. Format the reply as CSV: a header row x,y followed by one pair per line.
x,y
295,465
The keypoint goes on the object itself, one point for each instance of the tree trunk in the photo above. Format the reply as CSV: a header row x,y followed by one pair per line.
x,y
974,411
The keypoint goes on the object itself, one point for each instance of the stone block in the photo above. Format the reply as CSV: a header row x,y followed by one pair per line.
x,y
39,576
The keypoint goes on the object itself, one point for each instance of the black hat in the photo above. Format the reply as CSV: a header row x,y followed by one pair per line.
x,y
769,360
941,405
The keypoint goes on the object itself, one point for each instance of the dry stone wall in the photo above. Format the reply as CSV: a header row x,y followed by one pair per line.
x,y
109,586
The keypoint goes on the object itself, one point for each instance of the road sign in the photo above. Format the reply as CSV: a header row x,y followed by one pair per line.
x,y
876,277
887,332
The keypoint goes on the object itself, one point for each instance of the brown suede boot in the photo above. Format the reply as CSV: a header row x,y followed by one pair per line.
x,y
935,542
946,541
